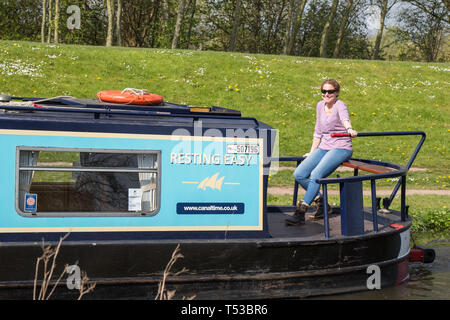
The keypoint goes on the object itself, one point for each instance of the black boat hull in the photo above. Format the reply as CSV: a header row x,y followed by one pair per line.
x,y
216,269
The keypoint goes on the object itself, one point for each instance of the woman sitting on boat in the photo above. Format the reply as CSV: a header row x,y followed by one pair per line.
x,y
326,153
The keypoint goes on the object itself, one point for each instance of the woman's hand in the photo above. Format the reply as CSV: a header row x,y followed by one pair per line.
x,y
352,133
306,154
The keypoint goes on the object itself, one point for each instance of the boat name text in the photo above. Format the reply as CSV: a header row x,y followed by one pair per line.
x,y
210,159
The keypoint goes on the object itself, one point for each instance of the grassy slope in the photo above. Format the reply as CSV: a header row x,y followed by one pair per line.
x,y
281,91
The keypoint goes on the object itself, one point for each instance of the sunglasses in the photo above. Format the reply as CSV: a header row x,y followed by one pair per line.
x,y
328,91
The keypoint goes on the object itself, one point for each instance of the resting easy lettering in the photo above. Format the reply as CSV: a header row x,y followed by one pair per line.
x,y
194,158
239,160
210,159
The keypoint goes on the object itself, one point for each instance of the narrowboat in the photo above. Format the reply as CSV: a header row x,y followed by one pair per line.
x,y
126,184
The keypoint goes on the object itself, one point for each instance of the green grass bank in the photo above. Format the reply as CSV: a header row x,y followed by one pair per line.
x,y
279,90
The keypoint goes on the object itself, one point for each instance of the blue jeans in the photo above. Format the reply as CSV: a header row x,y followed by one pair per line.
x,y
319,164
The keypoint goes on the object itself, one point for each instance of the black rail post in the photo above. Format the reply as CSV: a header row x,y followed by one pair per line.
x,y
294,198
325,211
403,198
374,205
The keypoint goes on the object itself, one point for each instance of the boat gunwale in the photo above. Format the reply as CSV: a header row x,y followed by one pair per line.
x,y
259,242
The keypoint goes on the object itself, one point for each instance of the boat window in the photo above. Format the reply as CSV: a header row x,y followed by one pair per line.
x,y
87,182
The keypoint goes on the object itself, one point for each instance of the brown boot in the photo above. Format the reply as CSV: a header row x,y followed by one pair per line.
x,y
299,216
318,213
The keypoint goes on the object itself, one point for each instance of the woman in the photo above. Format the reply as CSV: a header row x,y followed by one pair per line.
x,y
326,153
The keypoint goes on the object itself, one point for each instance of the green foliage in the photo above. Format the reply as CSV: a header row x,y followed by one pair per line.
x,y
206,25
426,30
437,220
20,19
93,23
421,32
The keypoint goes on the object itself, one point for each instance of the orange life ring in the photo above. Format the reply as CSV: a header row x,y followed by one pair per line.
x,y
130,97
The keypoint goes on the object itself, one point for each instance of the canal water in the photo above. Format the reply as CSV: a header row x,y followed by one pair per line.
x,y
428,281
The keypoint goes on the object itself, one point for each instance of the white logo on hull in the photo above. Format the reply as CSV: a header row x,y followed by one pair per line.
x,y
211,182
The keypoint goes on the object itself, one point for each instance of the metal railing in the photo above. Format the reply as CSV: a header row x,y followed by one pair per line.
x,y
399,171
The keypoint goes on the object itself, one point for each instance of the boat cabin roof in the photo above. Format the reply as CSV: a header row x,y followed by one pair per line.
x,y
171,114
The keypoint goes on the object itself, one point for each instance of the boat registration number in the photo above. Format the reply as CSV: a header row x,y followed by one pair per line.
x,y
243,148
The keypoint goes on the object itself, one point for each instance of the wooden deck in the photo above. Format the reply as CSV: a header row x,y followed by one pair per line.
x,y
314,229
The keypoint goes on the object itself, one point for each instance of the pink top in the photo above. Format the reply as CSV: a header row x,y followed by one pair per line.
x,y
326,124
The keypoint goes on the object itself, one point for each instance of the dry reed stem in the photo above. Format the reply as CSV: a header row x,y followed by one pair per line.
x,y
83,289
50,254
47,254
164,294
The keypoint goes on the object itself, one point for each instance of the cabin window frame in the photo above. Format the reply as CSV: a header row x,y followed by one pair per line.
x,y
21,167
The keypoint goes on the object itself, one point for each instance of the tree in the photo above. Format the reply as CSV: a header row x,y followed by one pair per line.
x,y
147,23
342,27
49,36
255,25
180,15
292,30
289,26
236,22
324,38
311,31
425,29
114,10
385,6
429,8
274,15
118,23
44,13
56,32
192,7
294,27
110,12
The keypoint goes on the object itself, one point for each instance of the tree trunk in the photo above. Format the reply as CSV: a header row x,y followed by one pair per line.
x,y
297,24
255,26
165,14
44,12
344,22
433,42
236,22
157,29
326,28
56,34
274,30
110,10
180,14
193,7
118,23
49,39
376,48
287,35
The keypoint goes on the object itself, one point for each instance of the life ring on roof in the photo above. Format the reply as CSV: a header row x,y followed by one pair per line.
x,y
130,96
